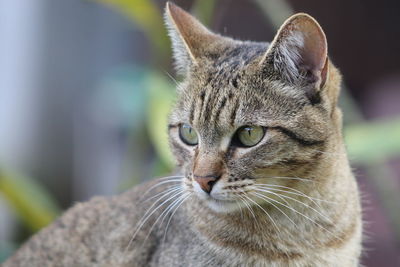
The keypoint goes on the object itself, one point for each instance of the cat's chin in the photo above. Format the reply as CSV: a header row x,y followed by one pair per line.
x,y
222,206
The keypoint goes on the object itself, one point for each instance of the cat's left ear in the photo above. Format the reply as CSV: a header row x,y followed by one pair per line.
x,y
190,39
299,53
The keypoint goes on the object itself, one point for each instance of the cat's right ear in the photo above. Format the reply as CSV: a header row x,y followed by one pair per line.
x,y
299,53
188,36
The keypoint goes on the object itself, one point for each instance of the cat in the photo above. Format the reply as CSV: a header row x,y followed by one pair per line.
x,y
264,178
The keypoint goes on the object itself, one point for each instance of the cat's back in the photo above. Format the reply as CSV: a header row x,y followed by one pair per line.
x,y
96,233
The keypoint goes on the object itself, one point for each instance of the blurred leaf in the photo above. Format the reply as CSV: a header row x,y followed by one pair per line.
x,y
30,201
204,10
148,17
276,11
162,95
373,141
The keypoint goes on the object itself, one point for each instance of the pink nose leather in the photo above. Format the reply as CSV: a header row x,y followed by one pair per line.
x,y
206,182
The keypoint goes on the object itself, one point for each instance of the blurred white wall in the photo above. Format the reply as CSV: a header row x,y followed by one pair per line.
x,y
21,36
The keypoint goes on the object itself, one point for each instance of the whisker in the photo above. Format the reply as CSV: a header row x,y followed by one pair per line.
x,y
248,207
164,194
240,208
294,193
145,218
298,201
288,178
172,214
261,196
267,191
170,180
169,189
173,176
305,216
269,216
313,200
165,212
172,78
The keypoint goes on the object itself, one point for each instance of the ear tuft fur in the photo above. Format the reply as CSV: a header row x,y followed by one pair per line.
x,y
299,51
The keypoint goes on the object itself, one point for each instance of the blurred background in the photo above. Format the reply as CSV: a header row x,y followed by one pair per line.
x,y
85,86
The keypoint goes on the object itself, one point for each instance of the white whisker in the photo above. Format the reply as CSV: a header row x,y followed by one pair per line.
x,y
164,194
166,191
172,214
269,216
266,199
172,78
295,190
165,212
298,201
287,178
248,207
240,208
305,216
145,218
170,180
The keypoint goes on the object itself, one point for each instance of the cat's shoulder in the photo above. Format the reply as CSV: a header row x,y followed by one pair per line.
x,y
96,230
107,211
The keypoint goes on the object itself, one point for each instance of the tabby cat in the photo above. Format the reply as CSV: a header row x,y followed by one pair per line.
x,y
264,178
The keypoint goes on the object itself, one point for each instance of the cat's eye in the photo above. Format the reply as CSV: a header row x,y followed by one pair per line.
x,y
188,135
248,136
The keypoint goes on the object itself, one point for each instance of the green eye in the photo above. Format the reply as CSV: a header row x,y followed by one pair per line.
x,y
188,135
248,136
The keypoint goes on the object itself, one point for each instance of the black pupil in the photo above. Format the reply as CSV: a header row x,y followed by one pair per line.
x,y
249,130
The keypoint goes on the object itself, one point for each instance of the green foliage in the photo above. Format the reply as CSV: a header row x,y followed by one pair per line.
x,y
373,141
204,10
31,202
147,16
162,94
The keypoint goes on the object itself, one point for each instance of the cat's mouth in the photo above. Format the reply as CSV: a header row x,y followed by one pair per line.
x,y
217,201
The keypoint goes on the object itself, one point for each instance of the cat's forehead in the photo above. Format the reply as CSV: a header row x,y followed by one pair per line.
x,y
225,66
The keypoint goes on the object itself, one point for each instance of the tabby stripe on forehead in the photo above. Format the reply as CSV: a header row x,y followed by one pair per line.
x,y
204,105
196,103
219,109
191,113
300,140
234,111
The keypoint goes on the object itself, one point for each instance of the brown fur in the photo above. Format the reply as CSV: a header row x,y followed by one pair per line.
x,y
310,215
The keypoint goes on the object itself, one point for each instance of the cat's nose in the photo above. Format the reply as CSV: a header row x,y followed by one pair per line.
x,y
206,182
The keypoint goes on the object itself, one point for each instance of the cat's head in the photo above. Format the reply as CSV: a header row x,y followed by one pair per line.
x,y
249,113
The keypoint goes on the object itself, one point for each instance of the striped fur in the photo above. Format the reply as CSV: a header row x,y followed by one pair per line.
x,y
290,88
289,200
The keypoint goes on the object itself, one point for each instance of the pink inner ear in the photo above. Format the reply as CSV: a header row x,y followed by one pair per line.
x,y
299,48
314,51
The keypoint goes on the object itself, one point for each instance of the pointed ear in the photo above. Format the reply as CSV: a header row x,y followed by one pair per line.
x,y
299,52
188,36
